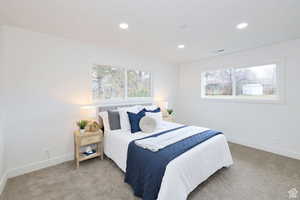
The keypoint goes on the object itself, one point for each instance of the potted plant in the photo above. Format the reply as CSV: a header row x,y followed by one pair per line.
x,y
170,111
82,124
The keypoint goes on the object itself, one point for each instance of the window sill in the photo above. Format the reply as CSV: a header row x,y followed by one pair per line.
x,y
129,101
255,100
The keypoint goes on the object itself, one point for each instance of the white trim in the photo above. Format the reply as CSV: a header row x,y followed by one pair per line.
x,y
280,83
3,181
39,165
122,103
233,83
126,84
245,99
279,151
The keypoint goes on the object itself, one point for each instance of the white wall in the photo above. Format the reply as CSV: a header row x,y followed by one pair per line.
x,y
2,161
2,158
271,127
2,147
45,80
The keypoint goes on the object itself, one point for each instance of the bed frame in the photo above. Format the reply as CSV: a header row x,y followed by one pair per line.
x,y
116,106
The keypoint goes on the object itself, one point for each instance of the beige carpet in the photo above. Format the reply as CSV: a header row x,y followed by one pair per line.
x,y
255,175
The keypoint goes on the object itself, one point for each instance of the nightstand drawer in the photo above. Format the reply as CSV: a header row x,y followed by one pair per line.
x,y
90,140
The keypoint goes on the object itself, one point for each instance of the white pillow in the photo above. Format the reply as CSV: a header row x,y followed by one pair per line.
x,y
152,107
104,116
148,124
157,116
124,120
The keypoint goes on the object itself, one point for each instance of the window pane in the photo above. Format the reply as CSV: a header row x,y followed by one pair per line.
x,y
108,82
218,83
139,83
256,81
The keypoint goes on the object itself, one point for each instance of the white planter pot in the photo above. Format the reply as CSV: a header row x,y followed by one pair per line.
x,y
81,131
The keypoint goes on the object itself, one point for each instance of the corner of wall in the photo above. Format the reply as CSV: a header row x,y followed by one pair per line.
x,y
177,93
3,181
3,174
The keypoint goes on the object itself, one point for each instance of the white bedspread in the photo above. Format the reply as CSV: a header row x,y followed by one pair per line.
x,y
159,142
184,173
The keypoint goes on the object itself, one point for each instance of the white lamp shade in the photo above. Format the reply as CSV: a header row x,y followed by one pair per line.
x,y
88,111
163,105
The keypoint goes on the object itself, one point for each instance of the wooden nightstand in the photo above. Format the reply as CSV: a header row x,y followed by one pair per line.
x,y
168,118
87,138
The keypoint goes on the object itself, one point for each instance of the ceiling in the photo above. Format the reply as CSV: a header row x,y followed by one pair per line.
x,y
157,27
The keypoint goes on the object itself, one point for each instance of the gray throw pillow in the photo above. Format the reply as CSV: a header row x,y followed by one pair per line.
x,y
114,120
148,124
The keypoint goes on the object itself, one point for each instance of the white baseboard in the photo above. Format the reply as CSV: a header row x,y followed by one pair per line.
x,y
39,165
278,151
3,180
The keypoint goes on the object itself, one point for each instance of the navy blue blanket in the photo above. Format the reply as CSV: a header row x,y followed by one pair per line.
x,y
145,169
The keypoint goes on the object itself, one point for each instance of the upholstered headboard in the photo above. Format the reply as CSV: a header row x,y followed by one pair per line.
x,y
102,108
116,106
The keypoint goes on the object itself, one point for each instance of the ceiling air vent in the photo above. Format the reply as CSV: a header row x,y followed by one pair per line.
x,y
219,51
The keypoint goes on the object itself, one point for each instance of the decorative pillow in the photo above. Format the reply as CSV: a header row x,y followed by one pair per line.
x,y
152,107
148,124
114,120
104,116
157,116
134,120
153,111
100,122
124,121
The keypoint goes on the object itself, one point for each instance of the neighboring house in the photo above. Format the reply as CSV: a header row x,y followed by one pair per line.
x,y
252,89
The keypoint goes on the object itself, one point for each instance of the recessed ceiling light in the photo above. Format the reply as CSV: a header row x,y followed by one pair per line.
x,y
181,46
242,25
124,26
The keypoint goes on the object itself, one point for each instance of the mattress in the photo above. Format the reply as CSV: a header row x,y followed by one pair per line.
x,y
184,173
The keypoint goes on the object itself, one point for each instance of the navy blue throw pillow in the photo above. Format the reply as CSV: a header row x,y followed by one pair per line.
x,y
134,120
153,111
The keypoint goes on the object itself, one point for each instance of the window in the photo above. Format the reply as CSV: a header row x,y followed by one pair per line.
x,y
258,82
218,83
108,82
116,83
139,83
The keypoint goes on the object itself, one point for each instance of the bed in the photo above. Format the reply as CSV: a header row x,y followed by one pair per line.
x,y
184,173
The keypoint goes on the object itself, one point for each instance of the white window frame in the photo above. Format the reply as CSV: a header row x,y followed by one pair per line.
x,y
126,99
280,85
